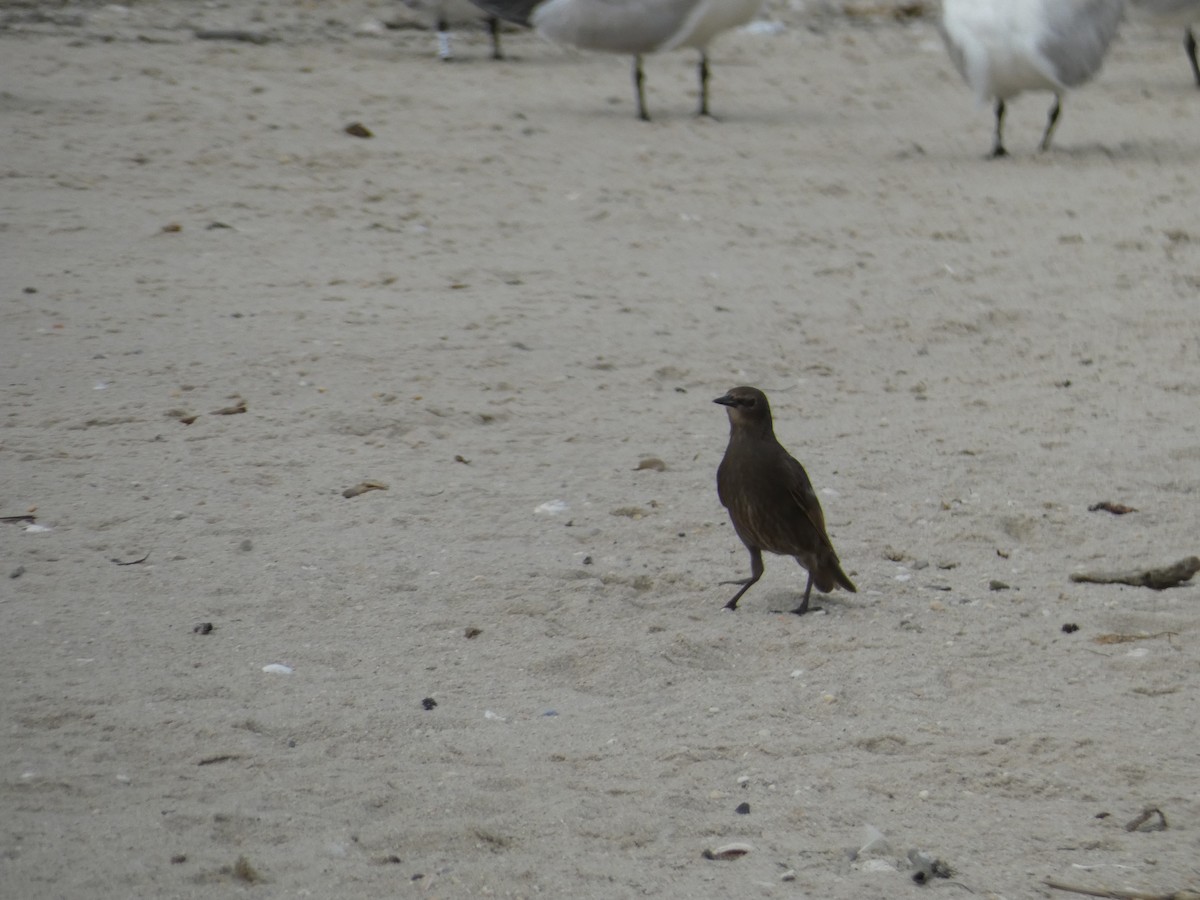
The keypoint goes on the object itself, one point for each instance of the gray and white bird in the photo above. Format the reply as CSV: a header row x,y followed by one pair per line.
x,y
1176,12
442,14
635,27
770,500
1005,47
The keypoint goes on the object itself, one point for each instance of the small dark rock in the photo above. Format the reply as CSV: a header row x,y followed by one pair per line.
x,y
743,809
1070,628
203,628
428,703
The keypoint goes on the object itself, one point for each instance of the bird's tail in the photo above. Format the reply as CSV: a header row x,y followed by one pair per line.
x,y
830,573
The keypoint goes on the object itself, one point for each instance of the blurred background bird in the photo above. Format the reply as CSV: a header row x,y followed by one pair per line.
x,y
1005,47
442,15
635,27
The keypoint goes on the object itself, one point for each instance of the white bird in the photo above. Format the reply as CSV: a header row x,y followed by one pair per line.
x,y
1004,47
637,27
441,14
1176,12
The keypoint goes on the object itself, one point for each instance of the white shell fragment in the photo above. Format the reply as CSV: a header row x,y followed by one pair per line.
x,y
552,507
37,529
278,669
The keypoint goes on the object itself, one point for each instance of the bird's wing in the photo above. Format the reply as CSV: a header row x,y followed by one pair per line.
x,y
801,491
1077,36
617,26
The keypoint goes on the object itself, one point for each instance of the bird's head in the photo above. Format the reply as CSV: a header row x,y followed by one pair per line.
x,y
747,407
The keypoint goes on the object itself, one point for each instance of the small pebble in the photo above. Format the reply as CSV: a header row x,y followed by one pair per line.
x,y
277,669
428,703
743,809
17,572
205,628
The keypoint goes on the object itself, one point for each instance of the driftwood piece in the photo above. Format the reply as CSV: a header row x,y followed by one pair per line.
x,y
1158,579
1120,895
362,487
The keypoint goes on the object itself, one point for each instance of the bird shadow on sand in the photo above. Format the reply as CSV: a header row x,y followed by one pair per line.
x,y
784,603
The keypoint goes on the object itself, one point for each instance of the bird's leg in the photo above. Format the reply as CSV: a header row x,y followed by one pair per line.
x,y
998,145
494,30
803,607
703,70
1051,121
756,570
443,39
639,87
1189,44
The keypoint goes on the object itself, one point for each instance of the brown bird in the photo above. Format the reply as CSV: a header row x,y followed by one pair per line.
x,y
770,500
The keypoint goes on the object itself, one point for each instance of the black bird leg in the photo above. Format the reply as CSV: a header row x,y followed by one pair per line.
x,y
803,607
998,145
1189,44
639,87
494,30
1051,121
703,111
756,571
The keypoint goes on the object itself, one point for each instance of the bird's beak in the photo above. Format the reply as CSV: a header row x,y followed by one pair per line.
x,y
726,401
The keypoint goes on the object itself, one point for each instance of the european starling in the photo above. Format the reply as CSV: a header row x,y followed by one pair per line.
x,y
770,500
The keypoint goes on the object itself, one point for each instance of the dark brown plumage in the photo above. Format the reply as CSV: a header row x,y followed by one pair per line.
x,y
770,500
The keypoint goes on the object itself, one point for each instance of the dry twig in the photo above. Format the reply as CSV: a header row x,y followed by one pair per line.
x,y
1158,578
1120,895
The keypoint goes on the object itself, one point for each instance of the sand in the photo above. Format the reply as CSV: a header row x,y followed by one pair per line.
x,y
500,306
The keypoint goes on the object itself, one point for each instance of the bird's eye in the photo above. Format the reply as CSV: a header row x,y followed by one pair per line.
x,y
749,401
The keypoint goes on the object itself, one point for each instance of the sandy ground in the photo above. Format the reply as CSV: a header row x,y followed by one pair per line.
x,y
499,306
